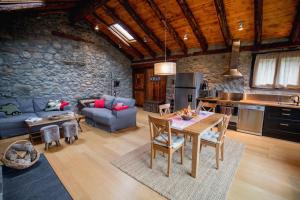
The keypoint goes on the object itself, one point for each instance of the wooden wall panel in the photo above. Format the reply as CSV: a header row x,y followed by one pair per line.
x,y
206,15
121,12
278,18
101,13
103,29
178,21
146,13
237,10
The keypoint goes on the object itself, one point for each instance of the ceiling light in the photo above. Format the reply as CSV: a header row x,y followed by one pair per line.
x,y
186,36
241,26
165,68
120,46
96,28
145,39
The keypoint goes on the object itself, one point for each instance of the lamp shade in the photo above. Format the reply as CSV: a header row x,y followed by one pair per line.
x,y
165,68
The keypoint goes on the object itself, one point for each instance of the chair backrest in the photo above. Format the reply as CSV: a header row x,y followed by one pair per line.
x,y
164,109
206,106
160,127
226,110
222,127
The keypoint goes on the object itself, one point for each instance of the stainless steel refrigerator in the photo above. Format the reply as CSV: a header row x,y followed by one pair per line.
x,y
187,85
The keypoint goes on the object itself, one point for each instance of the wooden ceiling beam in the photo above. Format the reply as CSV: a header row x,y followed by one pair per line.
x,y
136,51
295,33
219,4
109,40
36,6
166,24
143,26
262,47
258,19
85,8
193,23
110,12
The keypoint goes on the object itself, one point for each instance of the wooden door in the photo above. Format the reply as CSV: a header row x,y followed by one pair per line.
x,y
155,86
139,87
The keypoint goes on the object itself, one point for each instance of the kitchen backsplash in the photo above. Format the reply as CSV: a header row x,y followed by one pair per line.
x,y
213,66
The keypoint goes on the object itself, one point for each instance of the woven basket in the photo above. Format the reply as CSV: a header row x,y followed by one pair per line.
x,y
15,165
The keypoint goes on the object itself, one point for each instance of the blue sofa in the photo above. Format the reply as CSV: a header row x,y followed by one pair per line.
x,y
108,119
30,107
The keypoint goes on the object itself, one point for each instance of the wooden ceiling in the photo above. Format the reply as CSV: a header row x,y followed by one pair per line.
x,y
210,25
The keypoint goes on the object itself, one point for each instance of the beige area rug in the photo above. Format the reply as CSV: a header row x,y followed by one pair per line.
x,y
211,184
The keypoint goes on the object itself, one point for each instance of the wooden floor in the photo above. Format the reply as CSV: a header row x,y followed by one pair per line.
x,y
269,169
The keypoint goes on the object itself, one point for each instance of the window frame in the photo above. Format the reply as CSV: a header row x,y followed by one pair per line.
x,y
120,34
252,72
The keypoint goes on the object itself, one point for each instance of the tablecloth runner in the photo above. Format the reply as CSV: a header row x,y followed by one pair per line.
x,y
180,124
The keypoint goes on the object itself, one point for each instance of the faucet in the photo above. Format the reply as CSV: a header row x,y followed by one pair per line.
x,y
296,99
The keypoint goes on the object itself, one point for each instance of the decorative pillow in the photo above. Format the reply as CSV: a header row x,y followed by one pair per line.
x,y
119,104
53,105
91,105
63,104
10,109
108,101
118,108
99,103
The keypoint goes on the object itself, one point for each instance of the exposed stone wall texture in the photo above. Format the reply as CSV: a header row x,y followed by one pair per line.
x,y
213,66
33,62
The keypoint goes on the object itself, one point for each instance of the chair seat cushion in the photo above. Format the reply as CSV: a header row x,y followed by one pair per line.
x,y
210,136
176,140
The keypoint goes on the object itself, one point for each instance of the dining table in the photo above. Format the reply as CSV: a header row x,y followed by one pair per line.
x,y
195,127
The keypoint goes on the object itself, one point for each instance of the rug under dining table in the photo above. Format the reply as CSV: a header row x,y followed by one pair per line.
x,y
210,184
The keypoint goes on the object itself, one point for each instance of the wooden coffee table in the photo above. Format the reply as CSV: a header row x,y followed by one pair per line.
x,y
45,122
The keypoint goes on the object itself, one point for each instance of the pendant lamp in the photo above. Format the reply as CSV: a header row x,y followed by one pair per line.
x,y
165,68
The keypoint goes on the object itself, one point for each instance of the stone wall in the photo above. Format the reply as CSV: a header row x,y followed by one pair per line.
x,y
33,62
213,66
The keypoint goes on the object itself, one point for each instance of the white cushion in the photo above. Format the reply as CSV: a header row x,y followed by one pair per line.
x,y
176,140
210,136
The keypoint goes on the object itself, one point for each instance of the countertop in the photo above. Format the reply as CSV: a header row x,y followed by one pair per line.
x,y
256,102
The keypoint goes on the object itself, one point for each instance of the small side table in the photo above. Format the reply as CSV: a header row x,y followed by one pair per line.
x,y
152,106
78,118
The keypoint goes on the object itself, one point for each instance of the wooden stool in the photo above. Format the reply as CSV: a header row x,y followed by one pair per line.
x,y
70,131
50,134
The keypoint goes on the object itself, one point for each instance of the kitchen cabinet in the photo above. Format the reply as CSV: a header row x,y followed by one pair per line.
x,y
282,123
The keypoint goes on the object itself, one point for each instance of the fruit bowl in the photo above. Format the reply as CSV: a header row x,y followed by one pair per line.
x,y
186,117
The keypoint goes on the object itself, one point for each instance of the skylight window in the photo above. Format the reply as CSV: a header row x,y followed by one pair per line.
x,y
120,32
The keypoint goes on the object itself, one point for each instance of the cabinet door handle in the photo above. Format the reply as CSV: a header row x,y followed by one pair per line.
x,y
282,124
285,109
286,114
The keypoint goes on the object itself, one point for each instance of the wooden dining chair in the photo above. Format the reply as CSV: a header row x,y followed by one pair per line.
x,y
216,139
163,140
206,106
227,110
164,109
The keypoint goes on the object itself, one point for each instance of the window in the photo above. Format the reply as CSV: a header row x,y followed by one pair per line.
x,y
121,33
277,70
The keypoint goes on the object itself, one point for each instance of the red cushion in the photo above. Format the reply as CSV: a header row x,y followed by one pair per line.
x,y
99,103
118,108
63,104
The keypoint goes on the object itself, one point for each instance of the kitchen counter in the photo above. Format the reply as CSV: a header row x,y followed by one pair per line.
x,y
256,102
